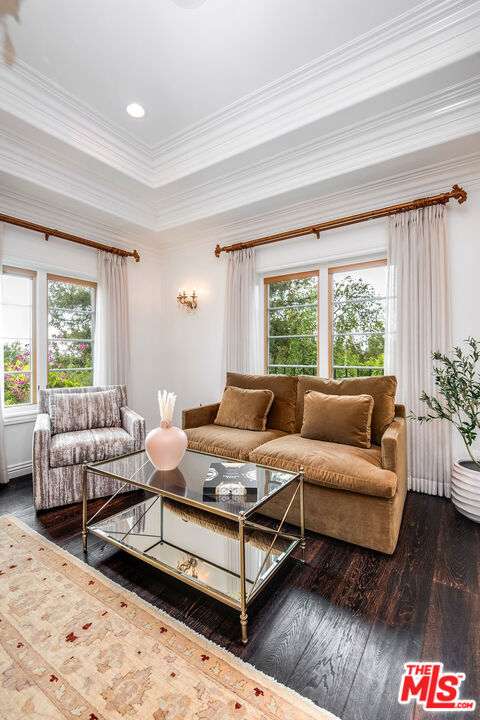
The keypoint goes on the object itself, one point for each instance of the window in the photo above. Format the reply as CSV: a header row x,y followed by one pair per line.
x,y
71,328
291,324
18,323
357,319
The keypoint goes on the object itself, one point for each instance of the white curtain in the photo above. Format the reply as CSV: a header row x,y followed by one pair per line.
x,y
3,456
240,326
418,323
111,350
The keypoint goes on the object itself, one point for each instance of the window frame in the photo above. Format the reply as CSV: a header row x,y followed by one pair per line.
x,y
331,271
282,278
25,272
72,281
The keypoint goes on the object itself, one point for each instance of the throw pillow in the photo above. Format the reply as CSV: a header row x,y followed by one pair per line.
x,y
345,419
244,409
70,412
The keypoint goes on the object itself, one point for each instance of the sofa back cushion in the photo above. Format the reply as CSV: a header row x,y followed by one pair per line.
x,y
70,412
345,419
244,409
381,387
284,388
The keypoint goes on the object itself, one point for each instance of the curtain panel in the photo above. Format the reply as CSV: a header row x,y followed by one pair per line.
x,y
3,455
240,319
112,350
418,323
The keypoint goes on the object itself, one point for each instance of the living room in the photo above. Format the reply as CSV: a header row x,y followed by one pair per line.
x,y
242,236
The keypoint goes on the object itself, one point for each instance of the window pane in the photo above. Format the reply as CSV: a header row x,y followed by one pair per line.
x,y
357,350
17,388
71,324
17,322
17,327
68,354
292,326
293,321
68,324
70,295
358,316
293,292
293,351
358,321
17,290
66,378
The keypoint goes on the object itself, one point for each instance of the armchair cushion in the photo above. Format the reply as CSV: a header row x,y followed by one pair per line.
x,y
73,448
83,411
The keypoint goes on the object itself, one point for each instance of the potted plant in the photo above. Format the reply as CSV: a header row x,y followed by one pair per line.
x,y
458,381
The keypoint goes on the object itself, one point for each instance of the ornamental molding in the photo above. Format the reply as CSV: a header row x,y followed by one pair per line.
x,y
428,37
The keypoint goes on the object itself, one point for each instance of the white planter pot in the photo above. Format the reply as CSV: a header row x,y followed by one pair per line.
x,y
466,489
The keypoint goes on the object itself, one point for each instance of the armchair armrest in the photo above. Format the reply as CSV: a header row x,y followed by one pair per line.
x,y
394,450
196,417
41,455
134,425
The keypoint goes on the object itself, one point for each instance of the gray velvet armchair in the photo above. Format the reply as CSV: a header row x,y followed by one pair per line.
x,y
77,425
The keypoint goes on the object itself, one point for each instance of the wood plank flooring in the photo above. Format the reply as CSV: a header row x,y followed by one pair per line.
x,y
337,630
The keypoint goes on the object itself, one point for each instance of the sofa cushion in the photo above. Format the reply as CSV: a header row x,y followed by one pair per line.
x,y
228,442
244,409
70,412
330,464
345,419
381,387
72,448
284,387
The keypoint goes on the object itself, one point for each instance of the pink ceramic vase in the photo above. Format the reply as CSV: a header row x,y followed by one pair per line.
x,y
166,446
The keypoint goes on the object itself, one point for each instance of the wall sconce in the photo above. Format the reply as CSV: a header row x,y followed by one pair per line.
x,y
188,302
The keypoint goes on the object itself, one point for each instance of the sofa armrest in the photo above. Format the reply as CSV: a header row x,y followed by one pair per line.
x,y
41,454
134,425
196,417
394,449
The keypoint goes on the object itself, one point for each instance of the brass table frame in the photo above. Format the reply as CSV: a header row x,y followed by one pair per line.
x,y
243,523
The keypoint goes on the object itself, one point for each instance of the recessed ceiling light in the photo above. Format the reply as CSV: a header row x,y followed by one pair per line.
x,y
135,110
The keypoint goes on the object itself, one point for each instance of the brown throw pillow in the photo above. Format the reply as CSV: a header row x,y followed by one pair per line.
x,y
244,409
381,387
345,419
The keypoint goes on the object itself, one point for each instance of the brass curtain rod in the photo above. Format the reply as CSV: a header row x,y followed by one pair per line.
x,y
50,232
456,193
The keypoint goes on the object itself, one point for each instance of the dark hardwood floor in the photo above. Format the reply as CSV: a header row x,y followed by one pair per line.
x,y
337,630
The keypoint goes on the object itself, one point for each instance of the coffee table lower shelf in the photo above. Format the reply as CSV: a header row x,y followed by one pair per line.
x,y
232,562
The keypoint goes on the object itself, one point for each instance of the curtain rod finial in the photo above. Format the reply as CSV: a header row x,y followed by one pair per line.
x,y
136,256
218,250
459,194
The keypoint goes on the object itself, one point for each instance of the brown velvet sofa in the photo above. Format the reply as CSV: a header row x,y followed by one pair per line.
x,y
351,493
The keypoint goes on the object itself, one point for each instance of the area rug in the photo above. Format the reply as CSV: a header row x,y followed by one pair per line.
x,y
75,645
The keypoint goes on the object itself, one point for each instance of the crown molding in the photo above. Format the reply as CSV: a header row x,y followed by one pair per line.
x,y
32,97
402,187
41,166
30,207
421,40
438,118
427,37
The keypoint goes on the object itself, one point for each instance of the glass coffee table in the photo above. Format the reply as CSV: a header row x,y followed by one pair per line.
x,y
202,523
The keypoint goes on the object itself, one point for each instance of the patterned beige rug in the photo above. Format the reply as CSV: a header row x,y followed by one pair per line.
x,y
75,645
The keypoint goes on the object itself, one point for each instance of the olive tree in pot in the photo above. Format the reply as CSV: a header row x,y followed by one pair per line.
x,y
458,381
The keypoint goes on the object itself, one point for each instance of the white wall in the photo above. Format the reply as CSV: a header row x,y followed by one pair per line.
x,y
27,249
193,366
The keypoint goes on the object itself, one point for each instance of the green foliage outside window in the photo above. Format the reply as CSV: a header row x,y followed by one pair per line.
x,y
70,334
358,327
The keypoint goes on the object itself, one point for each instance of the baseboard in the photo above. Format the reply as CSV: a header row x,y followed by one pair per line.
x,y
18,469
